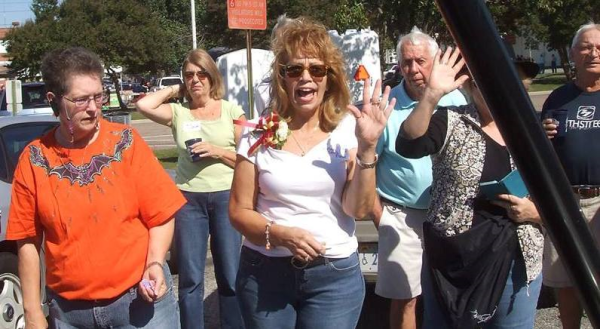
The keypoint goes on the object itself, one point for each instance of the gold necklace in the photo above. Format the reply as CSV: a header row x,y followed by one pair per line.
x,y
302,151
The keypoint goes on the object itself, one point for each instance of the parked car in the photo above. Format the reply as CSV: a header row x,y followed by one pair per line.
x,y
391,72
392,80
15,133
138,88
368,238
163,83
34,100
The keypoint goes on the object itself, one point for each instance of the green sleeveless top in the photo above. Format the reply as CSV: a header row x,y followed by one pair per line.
x,y
208,174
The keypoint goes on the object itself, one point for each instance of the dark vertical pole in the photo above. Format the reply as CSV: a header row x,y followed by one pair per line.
x,y
470,23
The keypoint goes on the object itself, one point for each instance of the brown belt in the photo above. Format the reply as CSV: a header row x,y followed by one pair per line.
x,y
586,191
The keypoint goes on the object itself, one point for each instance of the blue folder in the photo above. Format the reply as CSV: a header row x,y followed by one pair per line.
x,y
510,184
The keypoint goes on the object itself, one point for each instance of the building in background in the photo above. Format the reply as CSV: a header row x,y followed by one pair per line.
x,y
536,53
4,60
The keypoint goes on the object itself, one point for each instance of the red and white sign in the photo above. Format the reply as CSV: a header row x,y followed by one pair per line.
x,y
247,14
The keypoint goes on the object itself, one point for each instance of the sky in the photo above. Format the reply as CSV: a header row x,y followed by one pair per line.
x,y
14,11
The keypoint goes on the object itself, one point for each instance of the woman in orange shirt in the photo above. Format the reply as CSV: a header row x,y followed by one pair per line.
x,y
94,190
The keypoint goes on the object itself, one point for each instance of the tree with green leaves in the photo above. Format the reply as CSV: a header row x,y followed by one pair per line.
x,y
124,33
559,20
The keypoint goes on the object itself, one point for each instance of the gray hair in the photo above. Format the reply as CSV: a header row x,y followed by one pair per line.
x,y
416,37
282,21
582,29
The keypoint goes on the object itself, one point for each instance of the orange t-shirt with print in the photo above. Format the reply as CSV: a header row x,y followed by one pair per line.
x,y
95,206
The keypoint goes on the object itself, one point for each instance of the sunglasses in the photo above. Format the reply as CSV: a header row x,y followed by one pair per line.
x,y
296,70
189,75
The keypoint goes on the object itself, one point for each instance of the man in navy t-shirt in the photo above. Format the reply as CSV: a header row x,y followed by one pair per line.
x,y
576,107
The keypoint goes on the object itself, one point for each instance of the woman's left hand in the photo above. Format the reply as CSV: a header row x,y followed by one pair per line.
x,y
155,277
372,118
207,150
520,210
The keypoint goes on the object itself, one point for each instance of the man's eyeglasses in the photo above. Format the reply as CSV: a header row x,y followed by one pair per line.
x,y
588,49
83,102
296,70
189,75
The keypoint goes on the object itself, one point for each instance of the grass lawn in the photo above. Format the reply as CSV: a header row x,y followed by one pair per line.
x,y
548,82
167,157
136,115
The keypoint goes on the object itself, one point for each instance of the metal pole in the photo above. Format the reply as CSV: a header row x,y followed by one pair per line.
x,y
193,10
14,104
471,24
250,84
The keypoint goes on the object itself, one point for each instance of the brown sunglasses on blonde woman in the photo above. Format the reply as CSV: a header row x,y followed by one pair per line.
x,y
296,70
189,75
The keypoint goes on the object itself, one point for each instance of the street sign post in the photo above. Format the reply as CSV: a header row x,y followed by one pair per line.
x,y
248,15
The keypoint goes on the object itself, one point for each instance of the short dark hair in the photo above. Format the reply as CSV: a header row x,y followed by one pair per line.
x,y
59,65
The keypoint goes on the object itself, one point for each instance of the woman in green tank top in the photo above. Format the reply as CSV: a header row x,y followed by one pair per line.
x,y
206,139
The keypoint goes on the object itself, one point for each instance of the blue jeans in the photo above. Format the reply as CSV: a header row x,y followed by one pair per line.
x,y
204,214
126,311
516,309
274,294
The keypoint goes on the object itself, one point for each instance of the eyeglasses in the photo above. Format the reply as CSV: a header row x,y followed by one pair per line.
x,y
296,70
588,49
83,102
189,75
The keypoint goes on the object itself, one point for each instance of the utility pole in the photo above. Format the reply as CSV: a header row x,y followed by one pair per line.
x,y
193,10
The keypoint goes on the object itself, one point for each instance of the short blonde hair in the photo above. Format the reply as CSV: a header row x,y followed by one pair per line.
x,y
201,58
306,37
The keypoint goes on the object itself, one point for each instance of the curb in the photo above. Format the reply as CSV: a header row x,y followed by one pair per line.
x,y
141,121
537,93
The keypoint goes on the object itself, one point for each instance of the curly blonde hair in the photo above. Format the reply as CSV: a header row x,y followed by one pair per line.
x,y
309,38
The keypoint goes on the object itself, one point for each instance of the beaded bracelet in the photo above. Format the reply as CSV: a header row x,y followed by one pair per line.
x,y
267,233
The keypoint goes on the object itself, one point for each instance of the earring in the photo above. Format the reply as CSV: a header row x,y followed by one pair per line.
x,y
70,126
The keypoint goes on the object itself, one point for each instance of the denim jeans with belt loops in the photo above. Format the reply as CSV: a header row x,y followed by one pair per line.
x,y
274,294
129,310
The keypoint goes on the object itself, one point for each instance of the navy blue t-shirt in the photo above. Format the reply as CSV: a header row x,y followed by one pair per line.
x,y
579,149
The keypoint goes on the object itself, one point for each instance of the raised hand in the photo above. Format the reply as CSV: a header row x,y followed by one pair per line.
x,y
443,78
373,116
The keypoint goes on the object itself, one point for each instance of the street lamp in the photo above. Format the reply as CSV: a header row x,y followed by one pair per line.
x,y
193,10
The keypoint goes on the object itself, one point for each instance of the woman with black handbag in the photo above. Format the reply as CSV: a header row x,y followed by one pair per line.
x,y
483,255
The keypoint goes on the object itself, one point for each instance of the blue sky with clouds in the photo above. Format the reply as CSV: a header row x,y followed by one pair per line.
x,y
14,11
